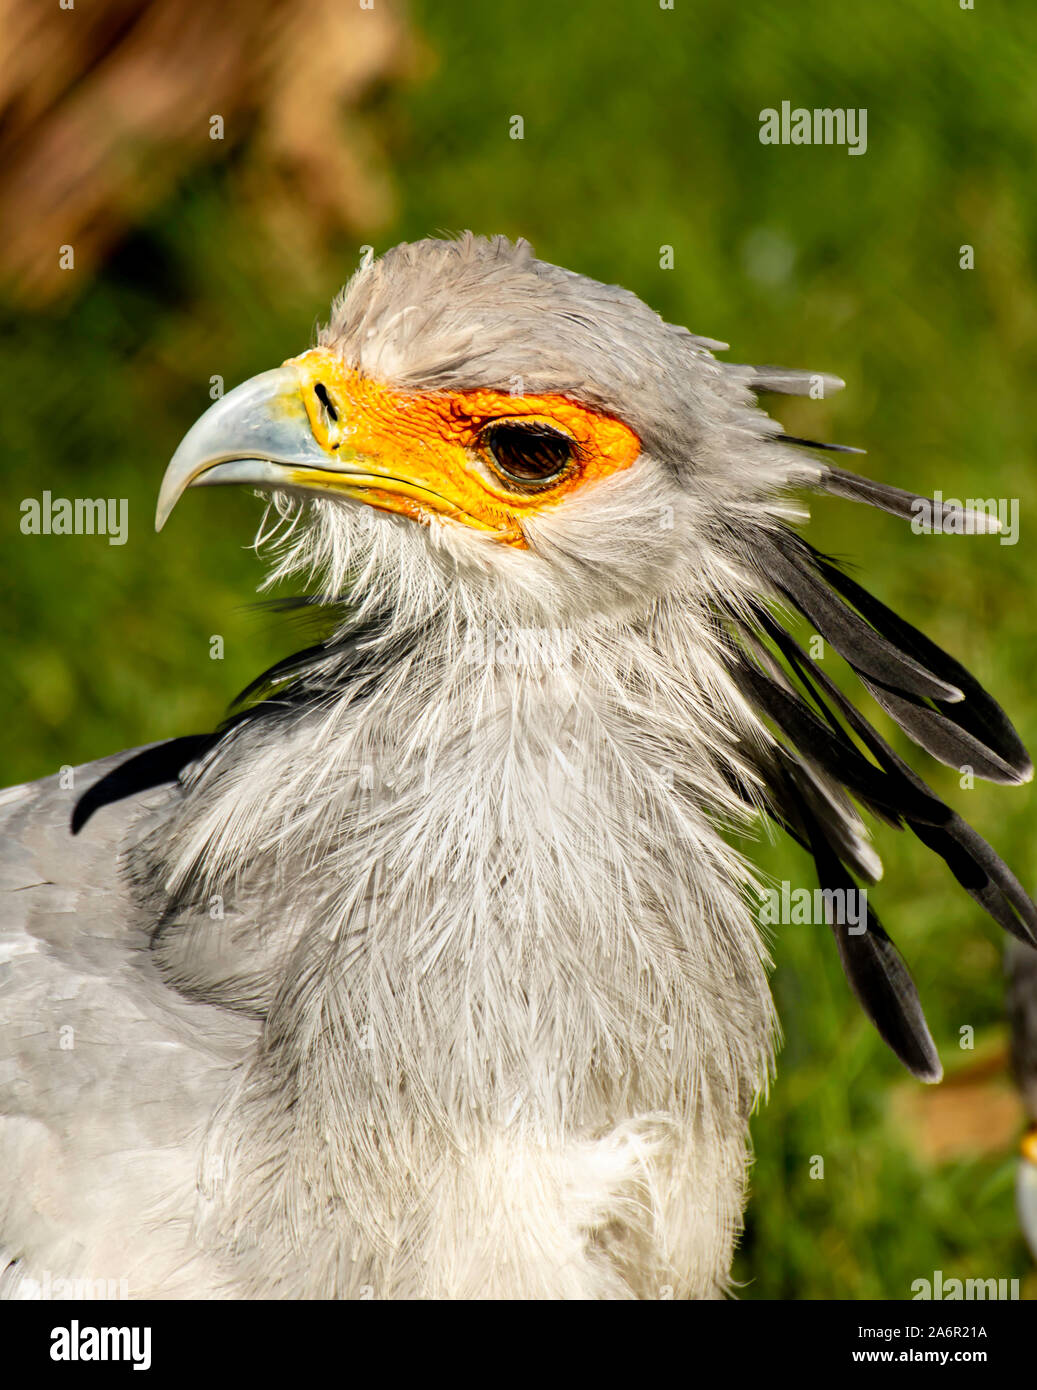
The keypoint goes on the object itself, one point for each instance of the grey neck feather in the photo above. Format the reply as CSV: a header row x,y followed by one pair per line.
x,y
481,895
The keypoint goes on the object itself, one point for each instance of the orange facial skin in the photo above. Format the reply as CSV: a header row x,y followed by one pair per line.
x,y
420,453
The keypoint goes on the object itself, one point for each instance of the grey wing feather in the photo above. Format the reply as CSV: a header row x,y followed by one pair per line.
x,y
107,1075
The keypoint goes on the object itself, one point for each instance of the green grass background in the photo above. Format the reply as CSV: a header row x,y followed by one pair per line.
x,y
641,130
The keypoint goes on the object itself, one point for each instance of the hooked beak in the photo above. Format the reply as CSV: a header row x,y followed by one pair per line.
x,y
297,429
257,434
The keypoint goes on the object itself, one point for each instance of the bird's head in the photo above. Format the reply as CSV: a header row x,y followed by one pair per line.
x,y
471,414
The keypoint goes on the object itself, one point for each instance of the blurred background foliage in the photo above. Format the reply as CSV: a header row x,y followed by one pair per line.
x,y
344,127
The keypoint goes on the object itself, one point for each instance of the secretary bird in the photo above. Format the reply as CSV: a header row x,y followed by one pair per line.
x,y
432,972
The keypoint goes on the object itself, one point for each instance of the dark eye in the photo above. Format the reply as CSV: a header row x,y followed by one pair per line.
x,y
528,453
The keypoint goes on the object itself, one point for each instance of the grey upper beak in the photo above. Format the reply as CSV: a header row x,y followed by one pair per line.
x,y
243,438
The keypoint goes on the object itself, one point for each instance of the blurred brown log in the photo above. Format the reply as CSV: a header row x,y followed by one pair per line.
x,y
106,106
975,1111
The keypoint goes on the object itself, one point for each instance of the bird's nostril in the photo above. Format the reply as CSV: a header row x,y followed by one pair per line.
x,y
321,392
